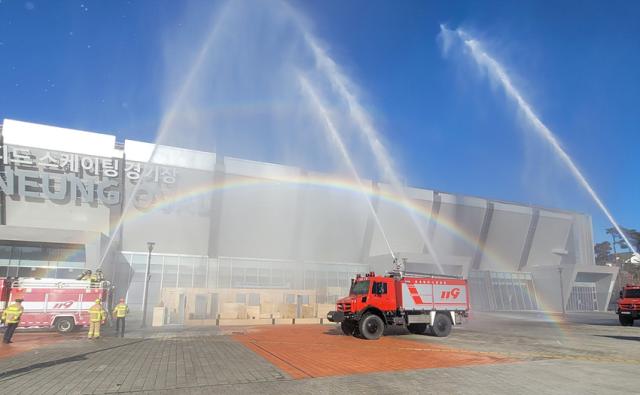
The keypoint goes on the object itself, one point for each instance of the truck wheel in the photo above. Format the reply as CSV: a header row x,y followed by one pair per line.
x,y
371,327
441,325
625,320
417,329
348,327
64,325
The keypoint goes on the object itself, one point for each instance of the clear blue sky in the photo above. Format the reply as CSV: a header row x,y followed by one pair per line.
x,y
97,65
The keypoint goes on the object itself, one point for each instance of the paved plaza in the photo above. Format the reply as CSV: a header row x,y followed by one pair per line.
x,y
497,353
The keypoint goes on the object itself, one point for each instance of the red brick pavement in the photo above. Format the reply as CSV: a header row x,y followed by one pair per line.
x,y
305,351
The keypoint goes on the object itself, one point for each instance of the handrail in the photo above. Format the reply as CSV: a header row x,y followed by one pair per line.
x,y
60,284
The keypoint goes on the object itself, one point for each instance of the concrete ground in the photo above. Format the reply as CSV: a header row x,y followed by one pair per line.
x,y
491,353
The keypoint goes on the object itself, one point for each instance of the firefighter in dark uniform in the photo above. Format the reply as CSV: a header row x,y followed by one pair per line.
x,y
11,317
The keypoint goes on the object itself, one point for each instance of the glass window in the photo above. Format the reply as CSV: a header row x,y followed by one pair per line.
x,y
277,277
241,298
263,277
254,300
185,276
360,288
170,275
5,255
200,273
632,293
251,276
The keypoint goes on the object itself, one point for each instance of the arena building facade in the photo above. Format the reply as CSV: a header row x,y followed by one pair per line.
x,y
236,238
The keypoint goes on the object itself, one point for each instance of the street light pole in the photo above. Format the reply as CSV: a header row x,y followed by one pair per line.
x,y
147,277
564,313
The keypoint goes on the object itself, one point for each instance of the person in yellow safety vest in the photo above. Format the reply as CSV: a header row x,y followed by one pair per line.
x,y
97,316
120,312
97,276
11,316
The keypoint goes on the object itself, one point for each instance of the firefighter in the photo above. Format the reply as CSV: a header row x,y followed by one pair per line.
x,y
120,312
86,275
11,317
97,316
97,276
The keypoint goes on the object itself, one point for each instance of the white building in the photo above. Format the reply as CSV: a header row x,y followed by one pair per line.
x,y
241,238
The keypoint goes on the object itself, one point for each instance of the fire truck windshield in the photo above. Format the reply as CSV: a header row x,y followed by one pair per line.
x,y
360,288
632,293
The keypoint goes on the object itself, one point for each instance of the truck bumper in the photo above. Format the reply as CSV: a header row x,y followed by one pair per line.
x,y
335,316
629,313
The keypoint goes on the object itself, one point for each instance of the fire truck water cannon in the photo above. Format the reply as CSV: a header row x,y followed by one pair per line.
x,y
423,303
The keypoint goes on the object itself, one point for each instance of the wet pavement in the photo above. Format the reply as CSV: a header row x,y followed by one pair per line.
x,y
492,353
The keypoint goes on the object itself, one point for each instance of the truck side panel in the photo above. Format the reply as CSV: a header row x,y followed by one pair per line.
x,y
434,294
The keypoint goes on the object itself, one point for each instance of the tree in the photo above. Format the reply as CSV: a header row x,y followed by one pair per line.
x,y
603,253
631,234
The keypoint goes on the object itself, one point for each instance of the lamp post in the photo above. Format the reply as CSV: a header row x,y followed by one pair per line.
x,y
147,277
564,313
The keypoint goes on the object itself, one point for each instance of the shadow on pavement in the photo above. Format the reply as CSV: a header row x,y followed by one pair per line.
x,y
80,357
633,338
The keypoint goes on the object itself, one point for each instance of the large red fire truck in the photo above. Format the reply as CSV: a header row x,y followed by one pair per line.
x,y
51,302
629,305
424,303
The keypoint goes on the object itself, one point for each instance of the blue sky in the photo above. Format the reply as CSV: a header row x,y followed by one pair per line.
x,y
96,65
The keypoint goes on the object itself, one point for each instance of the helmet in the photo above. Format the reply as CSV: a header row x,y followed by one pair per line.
x,y
121,300
98,301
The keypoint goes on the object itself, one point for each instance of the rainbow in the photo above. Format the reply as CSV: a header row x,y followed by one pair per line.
x,y
340,184
332,182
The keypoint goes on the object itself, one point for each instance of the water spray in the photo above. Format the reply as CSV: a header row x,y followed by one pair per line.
x,y
345,89
167,123
339,143
495,69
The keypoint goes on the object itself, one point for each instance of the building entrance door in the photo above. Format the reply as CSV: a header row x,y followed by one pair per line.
x,y
583,297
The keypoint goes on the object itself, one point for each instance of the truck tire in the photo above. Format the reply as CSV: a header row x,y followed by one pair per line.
x,y
625,320
371,327
348,327
64,324
417,329
441,325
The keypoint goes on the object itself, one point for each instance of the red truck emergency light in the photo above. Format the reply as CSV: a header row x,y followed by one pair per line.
x,y
51,302
424,303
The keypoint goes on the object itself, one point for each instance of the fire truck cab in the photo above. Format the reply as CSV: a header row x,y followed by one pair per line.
x,y
428,304
629,305
51,302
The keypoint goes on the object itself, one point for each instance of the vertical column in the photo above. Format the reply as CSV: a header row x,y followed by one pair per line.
x,y
528,242
482,237
367,237
215,215
433,219
301,202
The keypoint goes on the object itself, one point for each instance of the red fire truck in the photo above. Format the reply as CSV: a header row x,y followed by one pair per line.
x,y
425,304
51,302
629,305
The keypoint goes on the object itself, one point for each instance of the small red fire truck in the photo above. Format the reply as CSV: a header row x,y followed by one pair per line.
x,y
424,303
51,302
629,305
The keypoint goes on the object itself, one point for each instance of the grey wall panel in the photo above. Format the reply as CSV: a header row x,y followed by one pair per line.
x,y
334,225
400,229
506,238
549,241
458,229
175,217
258,218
